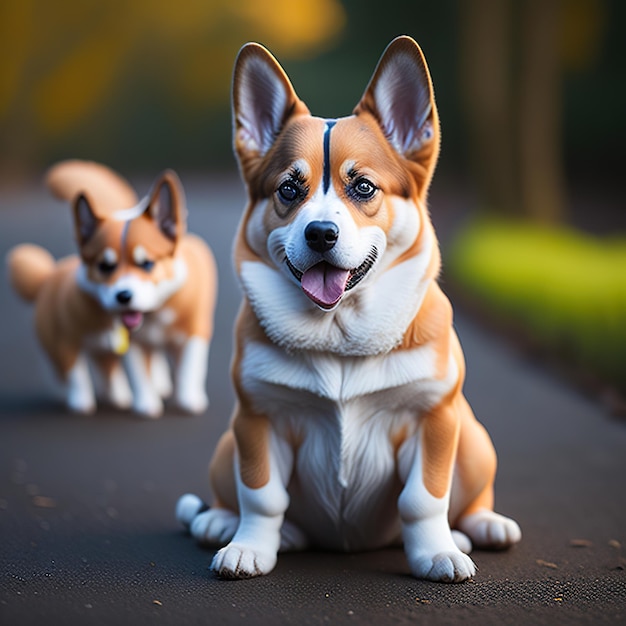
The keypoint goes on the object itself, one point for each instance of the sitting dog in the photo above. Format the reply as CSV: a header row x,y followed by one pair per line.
x,y
140,286
351,431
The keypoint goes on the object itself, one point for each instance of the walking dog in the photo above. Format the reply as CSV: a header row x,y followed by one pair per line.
x,y
140,286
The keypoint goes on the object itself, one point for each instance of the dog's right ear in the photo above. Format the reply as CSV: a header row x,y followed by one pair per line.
x,y
86,222
263,100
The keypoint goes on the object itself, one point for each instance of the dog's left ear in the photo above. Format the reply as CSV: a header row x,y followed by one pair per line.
x,y
167,206
400,96
263,100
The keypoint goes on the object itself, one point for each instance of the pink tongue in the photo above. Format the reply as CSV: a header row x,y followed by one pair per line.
x,y
132,319
325,284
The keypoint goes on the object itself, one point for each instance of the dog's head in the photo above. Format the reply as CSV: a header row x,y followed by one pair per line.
x,y
335,203
129,261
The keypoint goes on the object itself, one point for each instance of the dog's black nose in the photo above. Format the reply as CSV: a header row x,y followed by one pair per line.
x,y
124,296
321,236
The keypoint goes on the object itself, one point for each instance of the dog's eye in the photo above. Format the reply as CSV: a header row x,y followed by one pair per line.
x,y
363,189
146,265
288,192
106,267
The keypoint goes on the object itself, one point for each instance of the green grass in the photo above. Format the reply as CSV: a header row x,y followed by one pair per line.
x,y
565,289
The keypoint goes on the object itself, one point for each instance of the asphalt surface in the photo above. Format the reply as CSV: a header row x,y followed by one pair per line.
x,y
87,530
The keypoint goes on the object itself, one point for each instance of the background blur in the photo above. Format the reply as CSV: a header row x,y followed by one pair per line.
x,y
532,98
145,84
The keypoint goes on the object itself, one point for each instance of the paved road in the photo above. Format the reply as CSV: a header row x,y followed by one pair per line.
x,y
87,534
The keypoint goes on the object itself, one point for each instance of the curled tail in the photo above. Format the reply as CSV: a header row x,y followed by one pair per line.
x,y
29,268
105,188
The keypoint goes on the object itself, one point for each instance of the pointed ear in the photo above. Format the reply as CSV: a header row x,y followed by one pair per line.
x,y
167,206
86,222
400,96
263,100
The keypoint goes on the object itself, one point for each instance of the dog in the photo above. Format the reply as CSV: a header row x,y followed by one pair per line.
x,y
139,287
350,430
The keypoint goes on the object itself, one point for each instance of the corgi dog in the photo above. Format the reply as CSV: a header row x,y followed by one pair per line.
x,y
350,430
139,287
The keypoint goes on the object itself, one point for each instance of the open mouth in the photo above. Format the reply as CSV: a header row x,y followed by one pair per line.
x,y
132,319
325,284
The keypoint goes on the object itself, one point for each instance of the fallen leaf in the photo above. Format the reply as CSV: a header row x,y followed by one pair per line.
x,y
547,564
44,502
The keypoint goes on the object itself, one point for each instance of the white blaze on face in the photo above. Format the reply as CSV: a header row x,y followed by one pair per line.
x,y
146,295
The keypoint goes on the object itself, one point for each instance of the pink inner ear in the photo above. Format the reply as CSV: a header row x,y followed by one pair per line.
x,y
261,104
403,99
164,212
87,222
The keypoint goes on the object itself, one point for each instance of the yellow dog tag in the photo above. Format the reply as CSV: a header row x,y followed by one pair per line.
x,y
121,338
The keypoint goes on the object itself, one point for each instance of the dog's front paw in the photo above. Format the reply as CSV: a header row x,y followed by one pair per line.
x,y
488,529
241,561
446,567
82,403
194,403
148,405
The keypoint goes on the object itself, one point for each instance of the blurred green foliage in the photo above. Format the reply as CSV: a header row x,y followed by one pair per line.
x,y
565,290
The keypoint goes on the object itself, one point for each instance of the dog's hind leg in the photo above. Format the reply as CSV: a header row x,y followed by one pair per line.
x,y
472,495
214,526
263,467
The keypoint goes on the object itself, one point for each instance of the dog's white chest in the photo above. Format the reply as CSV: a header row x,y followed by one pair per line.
x,y
347,412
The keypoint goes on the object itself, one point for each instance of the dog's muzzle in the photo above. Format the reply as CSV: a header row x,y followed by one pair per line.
x,y
325,284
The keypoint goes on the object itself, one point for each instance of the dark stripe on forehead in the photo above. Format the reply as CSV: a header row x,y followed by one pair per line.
x,y
329,125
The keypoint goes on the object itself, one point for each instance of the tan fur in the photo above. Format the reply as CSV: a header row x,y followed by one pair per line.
x,y
64,316
359,139
250,429
29,267
107,189
346,235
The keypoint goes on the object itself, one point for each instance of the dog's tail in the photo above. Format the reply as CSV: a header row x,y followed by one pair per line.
x,y
105,188
29,268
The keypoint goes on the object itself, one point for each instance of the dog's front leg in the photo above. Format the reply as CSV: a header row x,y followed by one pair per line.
x,y
146,401
262,468
425,464
191,375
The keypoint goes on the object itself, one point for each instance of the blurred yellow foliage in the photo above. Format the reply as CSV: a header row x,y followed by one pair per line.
x,y
64,60
582,32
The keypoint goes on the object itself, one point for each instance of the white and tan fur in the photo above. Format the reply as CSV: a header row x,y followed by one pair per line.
x,y
350,431
140,287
